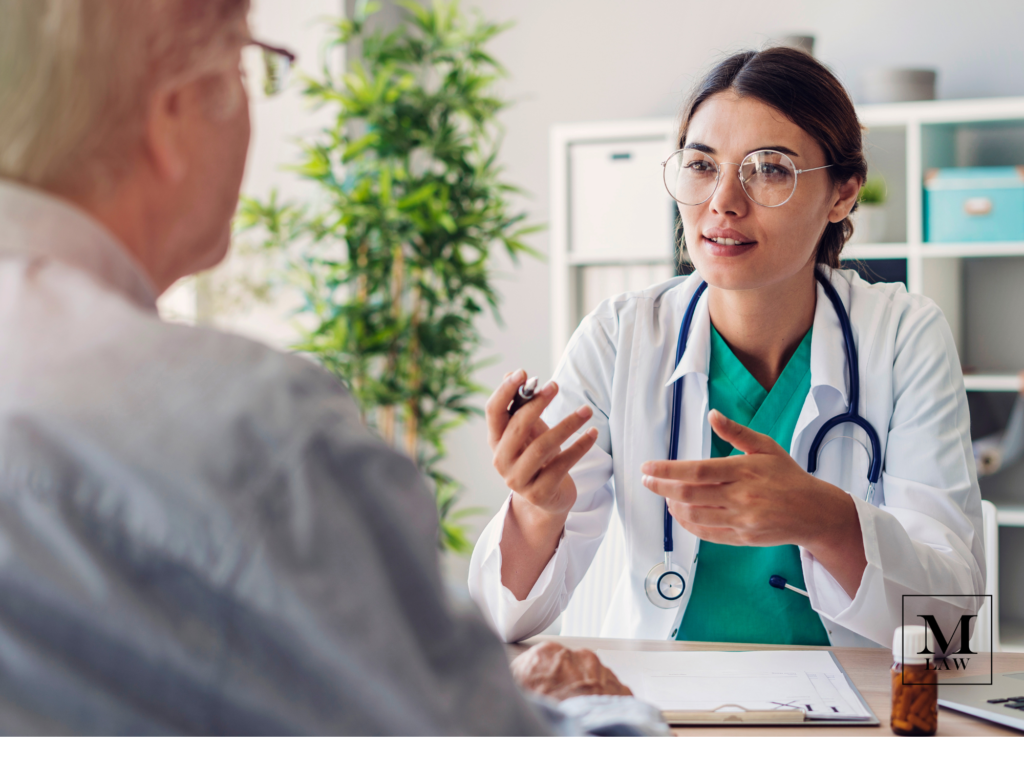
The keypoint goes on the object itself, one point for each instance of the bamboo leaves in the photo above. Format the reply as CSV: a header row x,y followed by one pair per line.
x,y
395,267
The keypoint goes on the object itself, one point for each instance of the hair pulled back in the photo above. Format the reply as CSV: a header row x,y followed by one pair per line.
x,y
805,91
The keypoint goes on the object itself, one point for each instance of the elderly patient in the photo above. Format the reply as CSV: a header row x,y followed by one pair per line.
x,y
196,533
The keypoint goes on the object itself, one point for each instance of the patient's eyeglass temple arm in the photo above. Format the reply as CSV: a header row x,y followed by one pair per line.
x,y
274,49
273,77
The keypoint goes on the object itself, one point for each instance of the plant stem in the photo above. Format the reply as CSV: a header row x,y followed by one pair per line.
x,y
386,423
413,406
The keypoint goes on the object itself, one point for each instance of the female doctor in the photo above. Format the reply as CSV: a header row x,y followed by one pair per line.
x,y
709,407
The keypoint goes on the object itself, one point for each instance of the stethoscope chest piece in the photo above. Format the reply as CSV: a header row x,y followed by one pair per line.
x,y
664,586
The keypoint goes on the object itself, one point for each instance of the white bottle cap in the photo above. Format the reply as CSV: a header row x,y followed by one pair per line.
x,y
908,643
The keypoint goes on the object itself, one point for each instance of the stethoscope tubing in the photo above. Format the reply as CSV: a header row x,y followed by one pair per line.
x,y
677,399
851,416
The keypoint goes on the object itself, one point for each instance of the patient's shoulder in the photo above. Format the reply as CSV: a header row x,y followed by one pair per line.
x,y
230,381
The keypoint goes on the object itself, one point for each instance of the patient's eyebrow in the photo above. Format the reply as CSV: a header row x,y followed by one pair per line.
x,y
709,151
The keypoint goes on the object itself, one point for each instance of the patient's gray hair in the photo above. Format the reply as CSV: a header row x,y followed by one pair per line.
x,y
77,76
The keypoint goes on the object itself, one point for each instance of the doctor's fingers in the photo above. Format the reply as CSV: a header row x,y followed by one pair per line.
x,y
700,514
738,528
526,429
540,450
714,534
526,423
724,470
693,517
496,409
704,494
546,482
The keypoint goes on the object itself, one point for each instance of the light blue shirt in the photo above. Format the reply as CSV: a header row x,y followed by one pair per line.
x,y
197,535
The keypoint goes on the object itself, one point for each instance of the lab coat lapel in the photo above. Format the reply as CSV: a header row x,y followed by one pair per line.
x,y
694,432
646,432
694,436
697,355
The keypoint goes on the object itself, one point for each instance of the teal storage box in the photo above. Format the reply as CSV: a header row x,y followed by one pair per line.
x,y
969,205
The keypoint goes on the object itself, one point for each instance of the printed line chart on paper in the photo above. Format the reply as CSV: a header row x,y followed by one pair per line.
x,y
759,680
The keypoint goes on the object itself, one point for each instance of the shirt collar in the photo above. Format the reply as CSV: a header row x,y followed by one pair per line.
x,y
828,348
38,224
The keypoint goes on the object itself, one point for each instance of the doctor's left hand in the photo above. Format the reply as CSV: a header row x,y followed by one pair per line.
x,y
762,498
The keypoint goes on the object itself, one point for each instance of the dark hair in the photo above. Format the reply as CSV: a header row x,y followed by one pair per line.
x,y
805,91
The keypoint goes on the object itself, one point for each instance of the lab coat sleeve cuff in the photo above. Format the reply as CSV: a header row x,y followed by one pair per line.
x,y
514,619
828,597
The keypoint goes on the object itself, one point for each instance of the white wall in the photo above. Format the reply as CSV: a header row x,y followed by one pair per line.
x,y
576,60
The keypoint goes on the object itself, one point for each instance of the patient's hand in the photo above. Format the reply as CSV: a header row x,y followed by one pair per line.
x,y
553,670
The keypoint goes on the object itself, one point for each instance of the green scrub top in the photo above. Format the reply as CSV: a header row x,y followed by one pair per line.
x,y
732,601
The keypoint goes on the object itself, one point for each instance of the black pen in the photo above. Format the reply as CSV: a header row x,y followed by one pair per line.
x,y
524,394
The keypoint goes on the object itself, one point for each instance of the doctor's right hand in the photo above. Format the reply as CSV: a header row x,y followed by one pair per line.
x,y
528,454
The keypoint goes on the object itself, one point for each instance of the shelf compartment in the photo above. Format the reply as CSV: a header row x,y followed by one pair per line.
x,y
956,111
597,282
879,251
1010,516
992,382
611,260
971,250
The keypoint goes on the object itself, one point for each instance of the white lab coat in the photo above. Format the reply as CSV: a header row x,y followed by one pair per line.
x,y
922,534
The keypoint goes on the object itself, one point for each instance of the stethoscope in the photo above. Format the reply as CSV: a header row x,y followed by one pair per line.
x,y
664,584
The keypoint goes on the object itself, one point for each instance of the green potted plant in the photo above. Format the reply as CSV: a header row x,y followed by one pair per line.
x,y
869,220
394,260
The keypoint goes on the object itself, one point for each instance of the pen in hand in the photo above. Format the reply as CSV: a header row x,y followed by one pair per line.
x,y
523,395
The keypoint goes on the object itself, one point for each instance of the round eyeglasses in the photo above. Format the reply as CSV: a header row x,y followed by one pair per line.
x,y
768,177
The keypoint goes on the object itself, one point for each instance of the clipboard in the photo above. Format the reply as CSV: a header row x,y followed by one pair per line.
x,y
744,716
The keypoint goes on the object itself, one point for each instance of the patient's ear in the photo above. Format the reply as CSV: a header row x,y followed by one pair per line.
x,y
847,197
166,133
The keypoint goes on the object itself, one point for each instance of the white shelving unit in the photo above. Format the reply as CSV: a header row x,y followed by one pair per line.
x,y
876,251
599,250
1012,517
992,382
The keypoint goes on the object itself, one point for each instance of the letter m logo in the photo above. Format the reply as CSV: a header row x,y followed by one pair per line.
x,y
965,633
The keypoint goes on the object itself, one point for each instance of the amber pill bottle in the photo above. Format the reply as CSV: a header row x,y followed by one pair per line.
x,y
915,690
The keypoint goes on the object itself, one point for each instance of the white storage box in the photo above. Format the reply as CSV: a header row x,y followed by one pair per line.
x,y
618,207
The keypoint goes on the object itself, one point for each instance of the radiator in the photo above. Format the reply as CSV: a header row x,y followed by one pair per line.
x,y
585,613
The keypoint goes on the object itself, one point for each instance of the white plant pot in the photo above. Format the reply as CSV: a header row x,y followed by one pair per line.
x,y
869,224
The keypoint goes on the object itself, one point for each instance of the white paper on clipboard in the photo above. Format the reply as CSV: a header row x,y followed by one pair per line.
x,y
759,680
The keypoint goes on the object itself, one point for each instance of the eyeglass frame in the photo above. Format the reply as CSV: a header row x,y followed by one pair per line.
x,y
718,175
266,48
